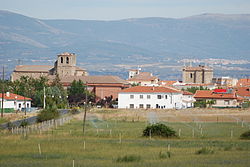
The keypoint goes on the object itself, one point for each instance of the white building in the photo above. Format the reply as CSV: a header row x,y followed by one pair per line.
x,y
142,78
187,99
13,102
150,97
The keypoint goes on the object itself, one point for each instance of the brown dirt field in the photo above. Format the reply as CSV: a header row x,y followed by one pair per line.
x,y
185,115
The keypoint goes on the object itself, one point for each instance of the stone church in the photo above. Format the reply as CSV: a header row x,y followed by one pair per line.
x,y
199,75
65,66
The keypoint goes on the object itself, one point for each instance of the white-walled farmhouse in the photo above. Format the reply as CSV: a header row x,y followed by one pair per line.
x,y
14,102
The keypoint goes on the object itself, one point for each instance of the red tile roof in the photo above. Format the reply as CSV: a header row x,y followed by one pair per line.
x,y
187,93
210,94
243,91
13,96
150,89
167,82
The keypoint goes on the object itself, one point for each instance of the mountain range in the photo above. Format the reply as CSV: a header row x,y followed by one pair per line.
x,y
134,41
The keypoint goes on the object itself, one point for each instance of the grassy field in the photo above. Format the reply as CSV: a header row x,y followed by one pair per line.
x,y
106,141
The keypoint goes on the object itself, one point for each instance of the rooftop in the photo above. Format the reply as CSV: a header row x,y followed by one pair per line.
x,y
143,76
243,91
33,68
13,96
210,94
107,79
198,68
150,89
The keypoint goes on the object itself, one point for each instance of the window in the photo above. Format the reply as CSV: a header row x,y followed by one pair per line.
x,y
28,105
148,97
157,106
158,96
141,96
166,96
191,75
19,105
67,60
148,106
226,102
61,59
141,106
131,96
131,106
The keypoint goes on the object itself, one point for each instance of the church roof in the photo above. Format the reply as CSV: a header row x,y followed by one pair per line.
x,y
107,79
33,68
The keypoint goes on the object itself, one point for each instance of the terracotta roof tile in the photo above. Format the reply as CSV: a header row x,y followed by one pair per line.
x,y
243,91
150,89
167,82
13,96
210,94
187,93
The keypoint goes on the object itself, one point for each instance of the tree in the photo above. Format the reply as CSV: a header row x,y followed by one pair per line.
x,y
159,130
194,89
77,93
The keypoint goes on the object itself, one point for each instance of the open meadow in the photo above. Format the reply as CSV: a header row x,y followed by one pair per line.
x,y
114,138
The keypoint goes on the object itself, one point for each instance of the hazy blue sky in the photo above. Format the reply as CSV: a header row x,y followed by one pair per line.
x,y
119,9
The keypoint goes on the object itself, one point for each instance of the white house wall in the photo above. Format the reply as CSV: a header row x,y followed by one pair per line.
x,y
173,100
16,105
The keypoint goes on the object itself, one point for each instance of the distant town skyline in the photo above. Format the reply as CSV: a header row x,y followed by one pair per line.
x,y
121,9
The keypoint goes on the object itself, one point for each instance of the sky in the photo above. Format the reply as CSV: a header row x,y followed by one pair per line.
x,y
121,9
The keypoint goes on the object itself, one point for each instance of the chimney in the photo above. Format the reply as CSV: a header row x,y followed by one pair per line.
x,y
7,94
153,88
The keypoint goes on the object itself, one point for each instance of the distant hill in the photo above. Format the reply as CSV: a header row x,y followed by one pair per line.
x,y
129,41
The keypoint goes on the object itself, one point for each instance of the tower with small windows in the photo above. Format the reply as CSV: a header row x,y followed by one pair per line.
x,y
199,75
66,64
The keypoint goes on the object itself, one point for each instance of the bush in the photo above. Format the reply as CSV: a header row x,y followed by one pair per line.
x,y
159,130
47,114
204,150
245,135
164,155
24,123
128,158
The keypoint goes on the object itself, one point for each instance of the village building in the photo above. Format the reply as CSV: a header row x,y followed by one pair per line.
x,y
221,98
200,74
225,82
13,102
150,97
244,82
187,99
137,77
101,86
65,65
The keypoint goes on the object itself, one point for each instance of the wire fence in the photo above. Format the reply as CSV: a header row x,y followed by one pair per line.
x,y
40,127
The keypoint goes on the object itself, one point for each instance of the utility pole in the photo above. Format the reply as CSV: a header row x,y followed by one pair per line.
x,y
44,98
2,93
85,109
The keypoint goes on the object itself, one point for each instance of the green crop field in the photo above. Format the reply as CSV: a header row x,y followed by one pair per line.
x,y
120,143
